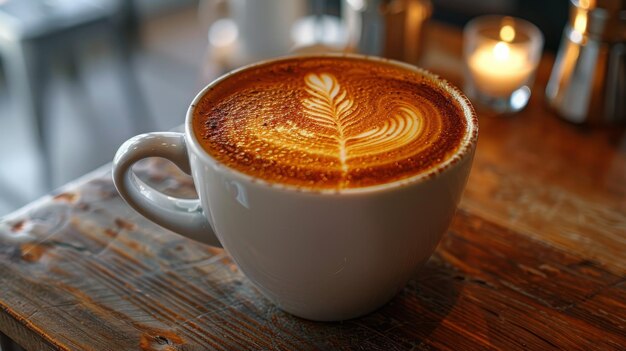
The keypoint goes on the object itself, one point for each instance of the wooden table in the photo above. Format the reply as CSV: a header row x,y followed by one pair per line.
x,y
535,259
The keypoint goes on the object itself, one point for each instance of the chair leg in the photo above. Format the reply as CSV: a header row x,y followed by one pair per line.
x,y
82,101
27,79
141,120
130,25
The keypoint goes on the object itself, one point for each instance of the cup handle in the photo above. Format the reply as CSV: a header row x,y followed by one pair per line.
x,y
183,216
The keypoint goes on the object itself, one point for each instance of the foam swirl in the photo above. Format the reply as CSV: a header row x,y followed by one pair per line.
x,y
402,128
331,123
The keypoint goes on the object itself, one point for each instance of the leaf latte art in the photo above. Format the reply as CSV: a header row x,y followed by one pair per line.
x,y
329,106
329,122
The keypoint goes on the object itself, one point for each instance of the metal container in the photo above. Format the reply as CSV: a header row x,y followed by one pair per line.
x,y
388,28
588,80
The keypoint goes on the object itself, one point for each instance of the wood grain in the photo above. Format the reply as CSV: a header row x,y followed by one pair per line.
x,y
76,273
534,260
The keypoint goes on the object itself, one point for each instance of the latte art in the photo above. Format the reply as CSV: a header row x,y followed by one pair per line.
x,y
332,108
329,122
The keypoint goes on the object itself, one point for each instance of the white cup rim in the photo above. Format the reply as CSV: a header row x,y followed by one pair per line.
x,y
464,150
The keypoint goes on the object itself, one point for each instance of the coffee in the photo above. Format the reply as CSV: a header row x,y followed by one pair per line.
x,y
330,122
361,159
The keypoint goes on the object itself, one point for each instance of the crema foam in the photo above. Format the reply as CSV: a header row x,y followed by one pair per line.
x,y
329,122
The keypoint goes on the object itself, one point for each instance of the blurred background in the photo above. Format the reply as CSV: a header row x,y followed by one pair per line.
x,y
79,77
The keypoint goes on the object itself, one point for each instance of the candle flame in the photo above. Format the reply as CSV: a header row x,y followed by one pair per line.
x,y
501,51
586,4
580,22
507,33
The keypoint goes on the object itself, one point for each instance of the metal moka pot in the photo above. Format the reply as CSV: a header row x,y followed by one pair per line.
x,y
588,80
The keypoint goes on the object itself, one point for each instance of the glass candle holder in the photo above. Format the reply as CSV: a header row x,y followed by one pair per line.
x,y
501,56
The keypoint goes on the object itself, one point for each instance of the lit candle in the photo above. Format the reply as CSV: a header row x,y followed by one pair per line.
x,y
500,67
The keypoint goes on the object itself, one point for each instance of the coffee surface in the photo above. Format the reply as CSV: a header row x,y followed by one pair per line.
x,y
329,122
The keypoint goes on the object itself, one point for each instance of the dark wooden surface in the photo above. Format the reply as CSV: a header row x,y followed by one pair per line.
x,y
535,259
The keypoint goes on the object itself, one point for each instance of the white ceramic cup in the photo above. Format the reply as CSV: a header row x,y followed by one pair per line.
x,y
319,255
